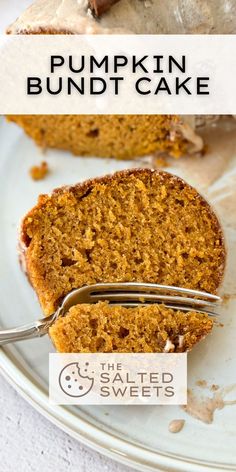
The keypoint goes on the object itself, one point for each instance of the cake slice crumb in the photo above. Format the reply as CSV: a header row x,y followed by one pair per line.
x,y
175,426
39,172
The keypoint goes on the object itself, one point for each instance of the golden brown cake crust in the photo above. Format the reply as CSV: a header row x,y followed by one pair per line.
x,y
54,268
105,328
101,6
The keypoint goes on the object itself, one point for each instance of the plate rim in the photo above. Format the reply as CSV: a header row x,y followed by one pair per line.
x,y
110,445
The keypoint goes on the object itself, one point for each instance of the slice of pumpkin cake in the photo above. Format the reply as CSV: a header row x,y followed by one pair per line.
x,y
102,327
136,225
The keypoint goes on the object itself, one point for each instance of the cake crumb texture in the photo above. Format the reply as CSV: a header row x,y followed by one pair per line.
x,y
102,327
39,172
117,136
136,225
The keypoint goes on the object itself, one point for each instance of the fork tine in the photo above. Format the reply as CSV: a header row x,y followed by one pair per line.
x,y
155,298
173,307
192,309
132,286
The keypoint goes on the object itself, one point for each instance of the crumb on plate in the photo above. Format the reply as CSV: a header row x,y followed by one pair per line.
x,y
175,426
39,172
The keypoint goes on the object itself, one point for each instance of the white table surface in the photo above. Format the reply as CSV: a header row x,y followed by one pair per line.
x,y
29,442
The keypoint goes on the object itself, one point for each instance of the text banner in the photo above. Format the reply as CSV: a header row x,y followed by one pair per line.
x,y
118,74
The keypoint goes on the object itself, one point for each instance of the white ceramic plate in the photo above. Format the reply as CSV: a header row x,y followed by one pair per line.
x,y
134,435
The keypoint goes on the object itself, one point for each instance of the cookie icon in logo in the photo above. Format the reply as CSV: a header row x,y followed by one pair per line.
x,y
74,379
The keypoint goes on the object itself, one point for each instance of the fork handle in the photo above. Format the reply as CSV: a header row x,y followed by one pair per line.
x,y
22,333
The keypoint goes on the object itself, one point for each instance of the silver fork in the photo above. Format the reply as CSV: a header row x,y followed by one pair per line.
x,y
127,294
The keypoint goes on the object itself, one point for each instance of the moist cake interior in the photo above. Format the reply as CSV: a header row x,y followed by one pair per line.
x,y
136,225
117,136
104,328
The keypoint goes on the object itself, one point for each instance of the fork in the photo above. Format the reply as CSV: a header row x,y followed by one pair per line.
x,y
128,294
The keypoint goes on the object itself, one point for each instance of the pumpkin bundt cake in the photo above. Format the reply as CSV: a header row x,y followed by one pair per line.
x,y
136,225
117,136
